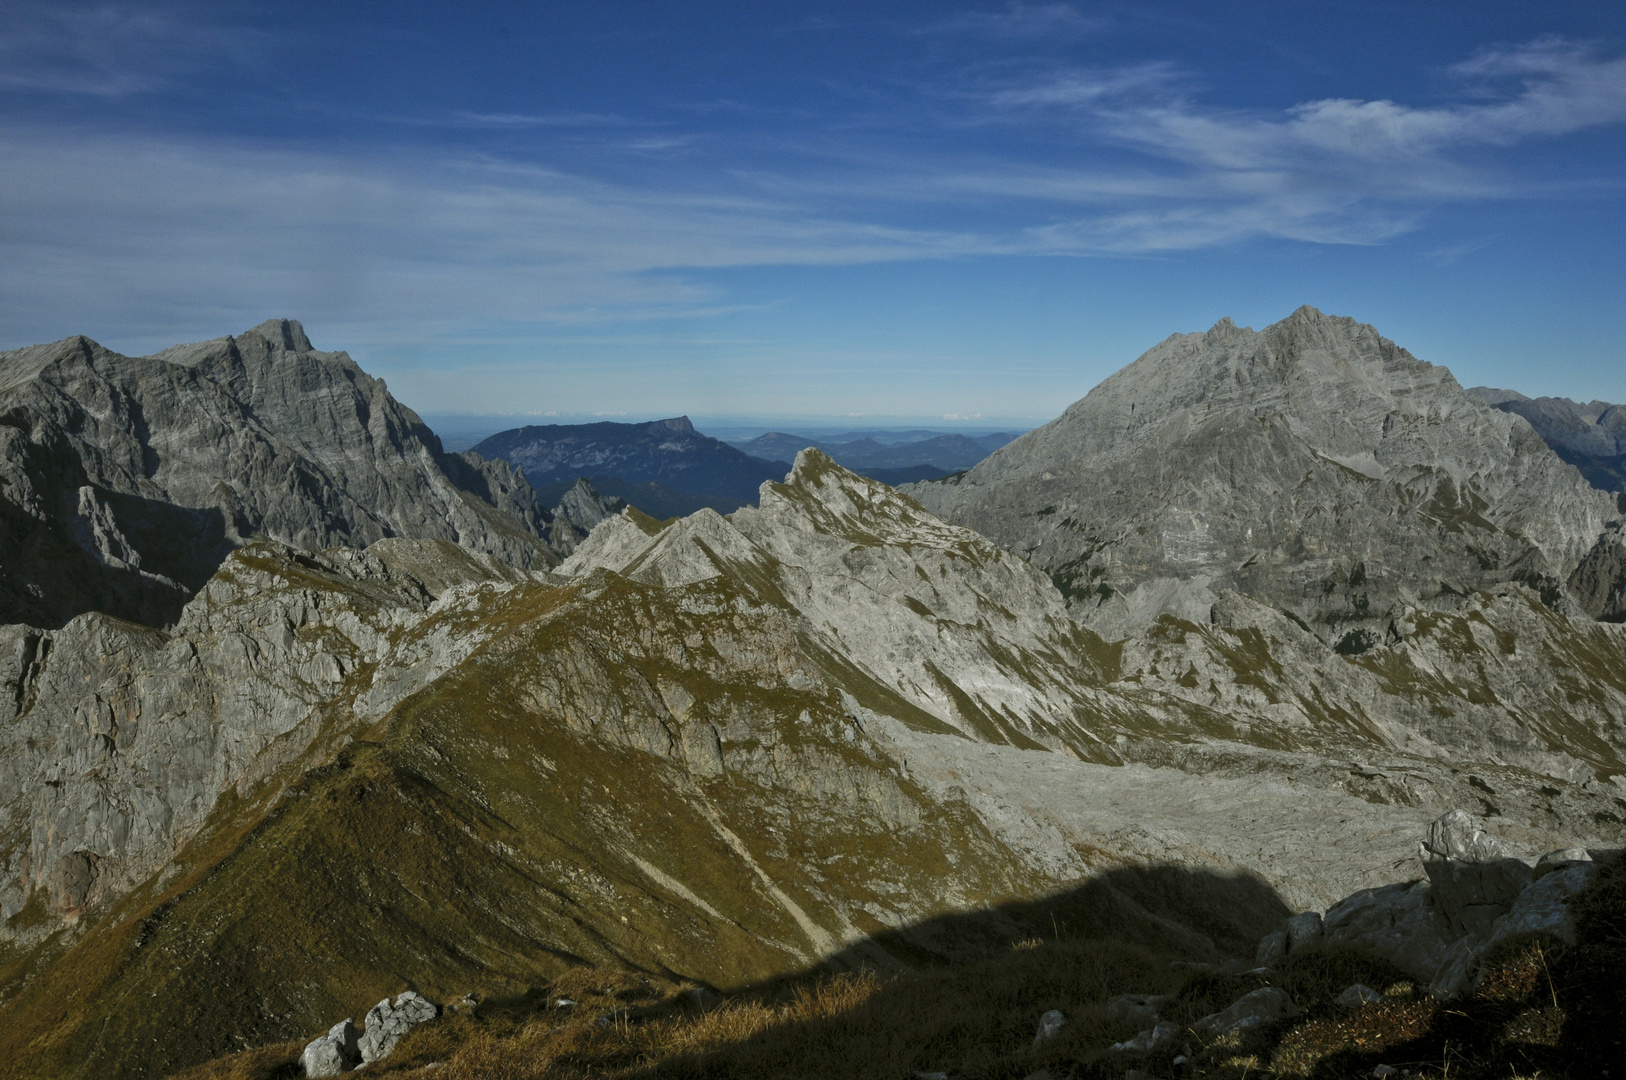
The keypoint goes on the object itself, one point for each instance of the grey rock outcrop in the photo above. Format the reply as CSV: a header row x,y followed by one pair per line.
x,y
387,1022
1262,1006
125,481
1302,929
1153,1038
1478,894
1314,465
1136,1008
1396,922
1050,1024
1356,995
331,1054
1543,906
1474,876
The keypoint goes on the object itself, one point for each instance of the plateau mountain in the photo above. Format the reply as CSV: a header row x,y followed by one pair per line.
x,y
668,453
125,481
1315,466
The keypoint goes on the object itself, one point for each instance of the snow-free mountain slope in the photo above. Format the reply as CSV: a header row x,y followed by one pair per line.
x,y
718,748
1314,465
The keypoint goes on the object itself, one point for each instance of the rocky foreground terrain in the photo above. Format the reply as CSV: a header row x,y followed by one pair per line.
x,y
830,732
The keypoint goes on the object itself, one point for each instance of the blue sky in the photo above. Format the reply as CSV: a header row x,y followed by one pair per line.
x,y
892,211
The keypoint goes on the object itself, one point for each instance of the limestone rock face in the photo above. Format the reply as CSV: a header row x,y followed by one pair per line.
x,y
117,740
877,583
387,1022
1599,581
125,481
1314,465
579,511
1475,877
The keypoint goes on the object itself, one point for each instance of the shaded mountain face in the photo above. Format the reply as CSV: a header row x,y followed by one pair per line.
x,y
718,749
1590,436
1314,465
889,461
665,452
124,481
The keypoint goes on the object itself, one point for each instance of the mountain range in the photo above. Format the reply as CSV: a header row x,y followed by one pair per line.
x,y
896,460
1214,647
1590,436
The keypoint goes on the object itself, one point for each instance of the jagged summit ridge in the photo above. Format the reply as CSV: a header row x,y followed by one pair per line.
x,y
1314,464
124,481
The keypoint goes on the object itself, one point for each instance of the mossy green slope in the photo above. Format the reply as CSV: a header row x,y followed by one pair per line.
x,y
541,806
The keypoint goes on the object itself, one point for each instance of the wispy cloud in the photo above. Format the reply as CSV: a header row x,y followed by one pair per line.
x,y
529,120
150,232
111,49
1019,21
1336,170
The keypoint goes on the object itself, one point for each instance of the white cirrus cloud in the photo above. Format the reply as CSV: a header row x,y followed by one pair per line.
x,y
1335,170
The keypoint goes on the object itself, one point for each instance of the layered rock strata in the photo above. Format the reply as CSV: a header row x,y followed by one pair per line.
x,y
125,481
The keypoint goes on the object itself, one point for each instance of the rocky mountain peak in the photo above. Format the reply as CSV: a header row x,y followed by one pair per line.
x,y
124,481
282,334
678,424
1314,464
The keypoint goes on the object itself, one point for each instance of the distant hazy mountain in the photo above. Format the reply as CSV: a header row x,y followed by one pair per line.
x,y
1592,437
124,481
670,453
894,459
1313,465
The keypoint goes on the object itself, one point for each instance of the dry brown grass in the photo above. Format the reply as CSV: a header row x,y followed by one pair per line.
x,y
977,1020
276,1062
